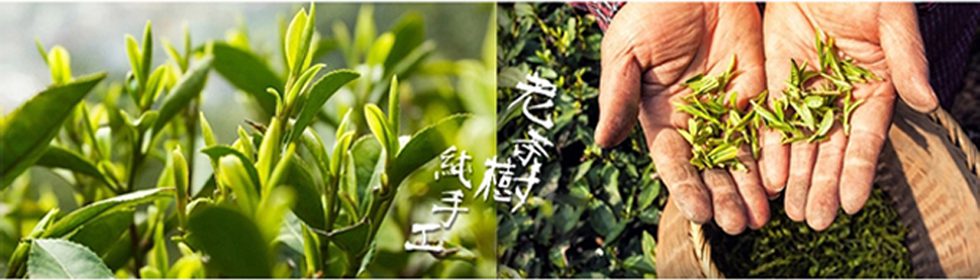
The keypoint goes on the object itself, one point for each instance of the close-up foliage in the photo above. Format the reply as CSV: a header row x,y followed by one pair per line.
x,y
320,181
595,213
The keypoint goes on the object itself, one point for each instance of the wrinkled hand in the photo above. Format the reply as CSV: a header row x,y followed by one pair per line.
x,y
648,51
881,37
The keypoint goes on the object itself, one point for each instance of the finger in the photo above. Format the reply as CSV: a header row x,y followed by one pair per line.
x,y
750,188
750,74
798,184
619,88
773,161
775,157
671,154
822,199
869,125
905,55
729,208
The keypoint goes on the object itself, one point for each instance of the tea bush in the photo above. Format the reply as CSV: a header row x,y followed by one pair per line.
x,y
595,212
282,201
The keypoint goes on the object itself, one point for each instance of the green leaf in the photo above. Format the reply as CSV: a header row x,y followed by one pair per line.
x,y
58,157
321,91
423,147
238,173
182,185
60,63
232,241
365,30
409,33
147,53
602,219
380,128
308,206
825,124
294,37
188,87
311,251
353,239
394,111
380,49
206,131
55,258
649,246
249,73
40,49
83,215
101,234
135,58
269,153
26,132
366,152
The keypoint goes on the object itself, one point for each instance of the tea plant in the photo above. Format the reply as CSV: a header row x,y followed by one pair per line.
x,y
281,201
104,149
595,212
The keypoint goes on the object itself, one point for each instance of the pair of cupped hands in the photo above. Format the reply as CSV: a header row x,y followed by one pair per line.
x,y
650,49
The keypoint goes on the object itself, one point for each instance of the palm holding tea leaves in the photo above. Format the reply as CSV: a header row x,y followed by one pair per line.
x,y
882,38
645,64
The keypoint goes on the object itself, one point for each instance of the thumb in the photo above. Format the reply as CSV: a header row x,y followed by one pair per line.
x,y
619,90
905,55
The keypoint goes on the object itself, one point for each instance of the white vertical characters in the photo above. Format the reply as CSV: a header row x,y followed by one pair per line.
x,y
526,182
451,165
500,185
527,149
541,87
424,244
453,198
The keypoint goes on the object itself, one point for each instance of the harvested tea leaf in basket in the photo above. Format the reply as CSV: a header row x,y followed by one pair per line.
x,y
814,100
869,244
717,128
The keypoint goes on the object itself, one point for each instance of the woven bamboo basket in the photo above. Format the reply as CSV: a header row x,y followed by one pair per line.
x,y
928,168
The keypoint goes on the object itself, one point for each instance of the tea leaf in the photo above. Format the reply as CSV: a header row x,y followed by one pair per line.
x,y
135,58
308,206
147,53
101,234
232,241
379,126
248,73
320,92
59,157
394,111
294,36
238,173
825,124
60,63
352,239
182,185
206,131
409,33
83,215
365,31
269,153
380,49
26,132
188,87
423,147
55,258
